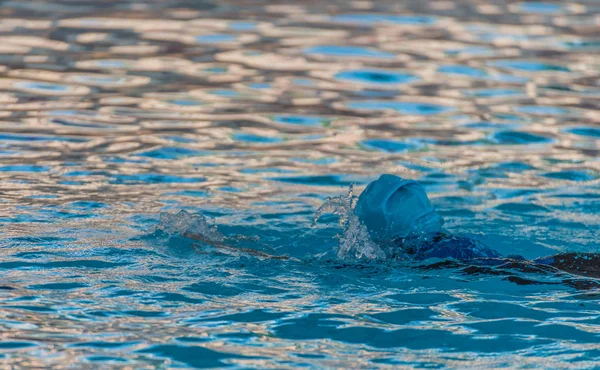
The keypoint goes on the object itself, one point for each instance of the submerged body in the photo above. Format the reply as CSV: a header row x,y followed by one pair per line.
x,y
397,213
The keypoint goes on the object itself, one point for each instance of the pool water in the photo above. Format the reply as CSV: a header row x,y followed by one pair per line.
x,y
129,126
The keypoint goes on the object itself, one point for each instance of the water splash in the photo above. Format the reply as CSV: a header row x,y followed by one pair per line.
x,y
188,225
355,243
196,227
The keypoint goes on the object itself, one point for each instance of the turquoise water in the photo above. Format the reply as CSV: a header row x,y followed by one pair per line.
x,y
116,116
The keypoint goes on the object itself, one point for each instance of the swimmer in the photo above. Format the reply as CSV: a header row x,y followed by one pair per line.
x,y
399,217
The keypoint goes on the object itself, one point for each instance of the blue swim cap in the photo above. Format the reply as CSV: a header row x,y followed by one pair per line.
x,y
391,207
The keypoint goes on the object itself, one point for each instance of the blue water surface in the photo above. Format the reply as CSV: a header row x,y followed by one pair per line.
x,y
178,181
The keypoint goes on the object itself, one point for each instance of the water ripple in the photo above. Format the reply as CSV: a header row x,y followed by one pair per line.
x,y
236,122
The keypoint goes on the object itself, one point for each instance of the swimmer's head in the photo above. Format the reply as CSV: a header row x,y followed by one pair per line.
x,y
393,208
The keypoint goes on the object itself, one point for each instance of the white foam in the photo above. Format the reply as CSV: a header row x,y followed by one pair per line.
x,y
355,243
184,223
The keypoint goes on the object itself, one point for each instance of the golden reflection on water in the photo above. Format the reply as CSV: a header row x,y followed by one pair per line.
x,y
131,103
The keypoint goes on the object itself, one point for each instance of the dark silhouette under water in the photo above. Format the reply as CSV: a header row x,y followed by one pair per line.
x,y
401,221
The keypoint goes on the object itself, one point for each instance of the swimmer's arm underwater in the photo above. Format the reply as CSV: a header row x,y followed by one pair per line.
x,y
231,249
